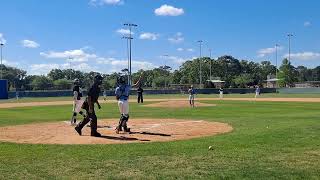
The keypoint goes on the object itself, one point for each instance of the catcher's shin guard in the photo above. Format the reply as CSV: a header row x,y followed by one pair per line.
x,y
74,118
124,123
119,127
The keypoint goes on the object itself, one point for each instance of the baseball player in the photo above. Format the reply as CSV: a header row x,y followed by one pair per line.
x,y
191,92
220,93
77,101
122,93
88,105
257,92
140,94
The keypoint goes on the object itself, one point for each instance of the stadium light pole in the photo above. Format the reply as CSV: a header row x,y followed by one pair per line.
x,y
200,68
128,55
1,46
164,67
130,25
277,45
289,38
210,51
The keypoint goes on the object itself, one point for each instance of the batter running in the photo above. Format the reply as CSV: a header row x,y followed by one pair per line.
x,y
122,93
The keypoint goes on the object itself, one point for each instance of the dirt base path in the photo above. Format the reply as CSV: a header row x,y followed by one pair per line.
x,y
57,103
178,104
143,130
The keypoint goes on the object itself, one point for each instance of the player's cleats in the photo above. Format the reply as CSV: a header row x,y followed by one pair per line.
x,y
95,134
78,129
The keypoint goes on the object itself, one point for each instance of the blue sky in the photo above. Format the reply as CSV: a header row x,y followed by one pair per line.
x,y
86,34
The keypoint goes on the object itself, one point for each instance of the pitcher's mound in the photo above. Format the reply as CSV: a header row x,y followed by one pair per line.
x,y
143,130
178,104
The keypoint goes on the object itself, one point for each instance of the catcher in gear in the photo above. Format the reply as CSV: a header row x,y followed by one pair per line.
x,y
122,93
77,101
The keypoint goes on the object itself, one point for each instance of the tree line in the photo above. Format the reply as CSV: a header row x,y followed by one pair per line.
x,y
236,74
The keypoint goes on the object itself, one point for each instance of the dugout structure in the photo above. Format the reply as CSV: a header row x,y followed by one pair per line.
x,y
3,89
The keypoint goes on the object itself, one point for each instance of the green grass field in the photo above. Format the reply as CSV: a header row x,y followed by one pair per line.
x,y
166,96
271,140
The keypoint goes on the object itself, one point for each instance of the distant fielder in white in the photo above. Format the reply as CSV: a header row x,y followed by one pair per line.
x,y
257,92
220,93
122,95
191,92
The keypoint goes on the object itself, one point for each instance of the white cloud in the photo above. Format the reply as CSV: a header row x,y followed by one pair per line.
x,y
176,60
177,38
189,49
267,51
307,24
29,44
2,40
149,36
167,10
116,64
77,55
10,63
304,56
43,69
124,31
105,2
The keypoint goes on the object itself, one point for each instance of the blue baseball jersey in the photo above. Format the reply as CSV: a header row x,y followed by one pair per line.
x,y
191,91
258,90
123,92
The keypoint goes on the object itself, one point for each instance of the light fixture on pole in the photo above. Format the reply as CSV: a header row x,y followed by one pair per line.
x,y
289,38
200,56
130,25
1,73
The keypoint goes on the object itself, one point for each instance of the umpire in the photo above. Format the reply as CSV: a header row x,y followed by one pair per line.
x,y
88,105
140,96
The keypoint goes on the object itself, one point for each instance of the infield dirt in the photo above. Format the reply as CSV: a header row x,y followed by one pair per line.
x,y
143,130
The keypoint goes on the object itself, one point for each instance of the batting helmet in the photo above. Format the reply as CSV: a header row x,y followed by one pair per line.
x,y
121,80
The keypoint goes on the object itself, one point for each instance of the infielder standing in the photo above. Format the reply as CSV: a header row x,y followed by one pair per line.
x,y
122,93
77,101
191,92
257,92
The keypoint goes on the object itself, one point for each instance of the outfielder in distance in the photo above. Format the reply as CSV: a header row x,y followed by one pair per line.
x,y
77,101
88,105
122,93
191,92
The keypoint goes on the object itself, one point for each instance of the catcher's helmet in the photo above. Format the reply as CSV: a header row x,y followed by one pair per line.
x,y
98,79
121,80
76,81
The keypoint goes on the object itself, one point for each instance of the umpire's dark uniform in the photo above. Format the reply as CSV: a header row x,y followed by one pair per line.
x,y
93,94
140,96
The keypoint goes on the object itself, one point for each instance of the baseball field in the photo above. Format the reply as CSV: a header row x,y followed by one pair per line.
x,y
273,137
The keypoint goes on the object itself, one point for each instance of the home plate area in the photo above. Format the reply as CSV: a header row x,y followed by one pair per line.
x,y
142,130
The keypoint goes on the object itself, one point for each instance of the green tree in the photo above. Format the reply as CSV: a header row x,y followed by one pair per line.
x,y
62,84
41,83
287,74
243,80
